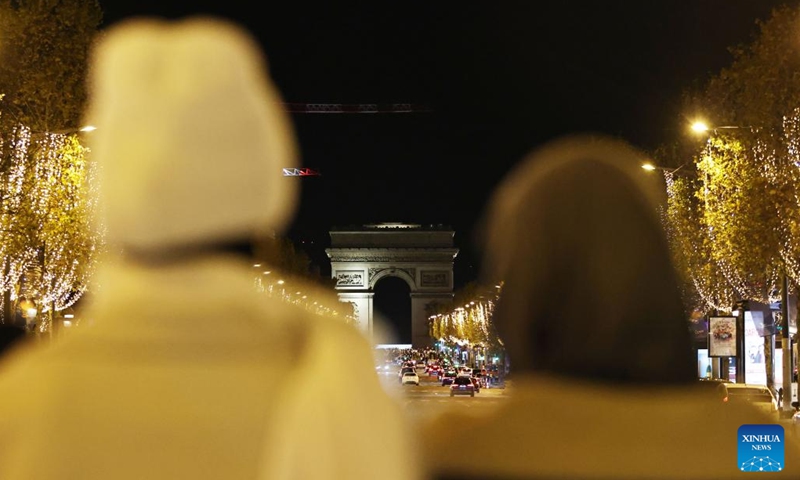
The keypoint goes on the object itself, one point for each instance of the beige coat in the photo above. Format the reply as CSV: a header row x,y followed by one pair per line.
x,y
188,373
556,429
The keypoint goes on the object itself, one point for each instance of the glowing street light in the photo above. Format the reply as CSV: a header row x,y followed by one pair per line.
x,y
699,127
702,127
650,167
71,130
29,311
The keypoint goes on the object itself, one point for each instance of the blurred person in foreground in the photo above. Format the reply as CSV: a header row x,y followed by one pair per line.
x,y
186,371
604,378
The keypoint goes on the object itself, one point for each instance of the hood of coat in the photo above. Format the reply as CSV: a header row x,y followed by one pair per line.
x,y
191,135
589,288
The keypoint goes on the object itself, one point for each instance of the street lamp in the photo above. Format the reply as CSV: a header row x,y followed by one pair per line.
x,y
28,311
702,127
650,167
67,131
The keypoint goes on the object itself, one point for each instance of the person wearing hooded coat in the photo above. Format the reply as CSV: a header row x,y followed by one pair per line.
x,y
180,368
604,382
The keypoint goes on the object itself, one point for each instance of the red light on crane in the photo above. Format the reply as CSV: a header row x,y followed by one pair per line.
x,y
300,172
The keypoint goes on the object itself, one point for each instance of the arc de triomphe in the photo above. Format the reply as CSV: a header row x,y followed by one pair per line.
x,y
420,255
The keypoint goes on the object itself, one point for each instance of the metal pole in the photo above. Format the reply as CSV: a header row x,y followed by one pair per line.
x,y
740,353
786,404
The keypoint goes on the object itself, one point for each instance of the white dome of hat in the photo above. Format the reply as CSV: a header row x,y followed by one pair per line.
x,y
191,135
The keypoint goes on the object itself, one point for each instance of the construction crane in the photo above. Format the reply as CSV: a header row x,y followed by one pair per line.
x,y
356,108
330,108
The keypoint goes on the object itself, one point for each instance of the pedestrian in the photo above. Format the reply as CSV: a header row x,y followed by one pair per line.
x,y
185,370
590,313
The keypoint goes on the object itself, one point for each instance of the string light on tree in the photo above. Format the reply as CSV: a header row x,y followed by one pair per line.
x,y
48,239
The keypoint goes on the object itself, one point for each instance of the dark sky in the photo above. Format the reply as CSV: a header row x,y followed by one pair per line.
x,y
499,77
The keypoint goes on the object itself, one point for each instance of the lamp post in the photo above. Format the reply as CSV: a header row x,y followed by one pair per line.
x,y
29,311
650,167
786,351
740,343
702,127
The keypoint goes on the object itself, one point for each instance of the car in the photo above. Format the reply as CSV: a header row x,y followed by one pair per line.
x,y
433,370
480,376
410,378
405,370
477,383
462,386
716,388
448,377
757,395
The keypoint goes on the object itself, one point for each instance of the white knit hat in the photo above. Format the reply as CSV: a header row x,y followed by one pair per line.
x,y
191,136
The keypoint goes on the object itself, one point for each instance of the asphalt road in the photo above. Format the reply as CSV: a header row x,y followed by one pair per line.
x,y
430,398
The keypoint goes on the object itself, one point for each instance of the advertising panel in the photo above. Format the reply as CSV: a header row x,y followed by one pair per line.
x,y
755,367
722,336
703,363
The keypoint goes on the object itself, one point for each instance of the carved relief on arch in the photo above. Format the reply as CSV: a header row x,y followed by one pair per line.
x,y
435,278
349,278
371,274
407,274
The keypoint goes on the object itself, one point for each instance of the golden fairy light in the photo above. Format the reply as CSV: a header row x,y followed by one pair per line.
x,y
737,226
465,325
48,247
305,295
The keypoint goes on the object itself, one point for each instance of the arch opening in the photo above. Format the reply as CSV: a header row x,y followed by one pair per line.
x,y
392,301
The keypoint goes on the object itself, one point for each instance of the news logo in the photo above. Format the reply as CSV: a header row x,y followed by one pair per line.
x,y
760,448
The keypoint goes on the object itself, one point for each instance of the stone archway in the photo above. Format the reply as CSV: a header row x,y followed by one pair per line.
x,y
420,255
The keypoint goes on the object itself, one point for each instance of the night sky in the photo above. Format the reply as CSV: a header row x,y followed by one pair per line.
x,y
500,78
